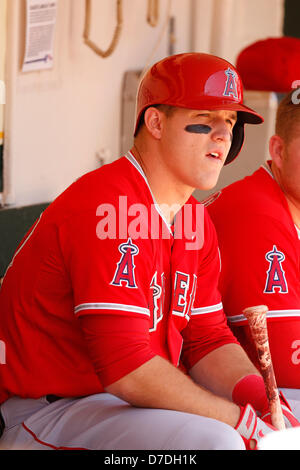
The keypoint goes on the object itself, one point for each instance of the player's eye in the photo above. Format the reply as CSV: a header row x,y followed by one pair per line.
x,y
231,122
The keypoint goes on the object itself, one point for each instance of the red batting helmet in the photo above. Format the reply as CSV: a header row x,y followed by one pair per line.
x,y
197,81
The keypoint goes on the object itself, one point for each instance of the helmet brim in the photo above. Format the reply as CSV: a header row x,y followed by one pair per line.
x,y
245,114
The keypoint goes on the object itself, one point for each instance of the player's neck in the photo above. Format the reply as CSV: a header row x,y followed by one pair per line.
x,y
293,203
168,193
294,210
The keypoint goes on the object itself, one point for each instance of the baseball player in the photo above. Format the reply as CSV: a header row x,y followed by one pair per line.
x,y
258,224
111,319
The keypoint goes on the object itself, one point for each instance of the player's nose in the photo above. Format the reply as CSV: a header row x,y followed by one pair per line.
x,y
221,130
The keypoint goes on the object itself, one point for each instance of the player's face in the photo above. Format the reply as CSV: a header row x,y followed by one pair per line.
x,y
196,144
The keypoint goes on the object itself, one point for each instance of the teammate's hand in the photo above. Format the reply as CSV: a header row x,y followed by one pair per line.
x,y
290,420
252,428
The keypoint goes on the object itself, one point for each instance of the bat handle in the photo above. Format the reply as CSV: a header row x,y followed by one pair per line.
x,y
257,320
276,413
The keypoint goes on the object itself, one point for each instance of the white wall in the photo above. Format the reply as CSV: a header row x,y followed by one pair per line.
x,y
57,120
2,62
225,27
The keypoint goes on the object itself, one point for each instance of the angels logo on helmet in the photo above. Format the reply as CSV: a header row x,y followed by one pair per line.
x,y
230,87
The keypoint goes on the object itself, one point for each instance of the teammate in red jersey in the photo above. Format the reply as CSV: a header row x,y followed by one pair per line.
x,y
107,294
258,225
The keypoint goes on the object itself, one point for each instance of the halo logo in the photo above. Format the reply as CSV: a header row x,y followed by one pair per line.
x,y
2,92
275,274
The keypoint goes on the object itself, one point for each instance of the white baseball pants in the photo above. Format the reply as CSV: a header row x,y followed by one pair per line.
x,y
105,422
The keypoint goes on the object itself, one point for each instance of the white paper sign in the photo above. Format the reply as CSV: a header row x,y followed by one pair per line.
x,y
40,30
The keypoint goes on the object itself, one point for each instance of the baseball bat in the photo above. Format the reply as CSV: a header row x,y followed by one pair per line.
x,y
257,320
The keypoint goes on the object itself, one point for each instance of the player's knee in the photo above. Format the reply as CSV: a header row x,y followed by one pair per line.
x,y
228,439
220,436
208,434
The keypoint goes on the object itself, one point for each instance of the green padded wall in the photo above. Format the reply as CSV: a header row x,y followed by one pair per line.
x,y
14,223
291,24
1,168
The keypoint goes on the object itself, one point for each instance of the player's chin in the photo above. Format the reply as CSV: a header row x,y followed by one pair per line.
x,y
208,181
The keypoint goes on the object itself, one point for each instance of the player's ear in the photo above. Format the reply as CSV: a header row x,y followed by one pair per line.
x,y
153,121
276,148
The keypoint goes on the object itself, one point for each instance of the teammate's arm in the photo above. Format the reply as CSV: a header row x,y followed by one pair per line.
x,y
221,369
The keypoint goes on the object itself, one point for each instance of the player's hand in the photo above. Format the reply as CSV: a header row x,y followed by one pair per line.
x,y
252,428
290,420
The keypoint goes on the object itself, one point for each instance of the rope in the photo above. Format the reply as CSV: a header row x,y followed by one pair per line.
x,y
117,32
156,46
152,14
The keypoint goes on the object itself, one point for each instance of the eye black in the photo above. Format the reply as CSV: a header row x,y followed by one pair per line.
x,y
198,128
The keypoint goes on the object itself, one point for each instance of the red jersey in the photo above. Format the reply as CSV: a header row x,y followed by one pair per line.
x,y
101,284
260,253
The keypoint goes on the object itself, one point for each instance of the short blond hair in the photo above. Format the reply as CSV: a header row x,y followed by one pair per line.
x,y
288,114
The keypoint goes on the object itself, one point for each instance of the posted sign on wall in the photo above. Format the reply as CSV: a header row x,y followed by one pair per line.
x,y
40,30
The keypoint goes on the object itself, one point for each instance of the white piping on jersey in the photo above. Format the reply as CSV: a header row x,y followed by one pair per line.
x,y
266,167
109,306
270,314
179,355
131,158
210,309
298,231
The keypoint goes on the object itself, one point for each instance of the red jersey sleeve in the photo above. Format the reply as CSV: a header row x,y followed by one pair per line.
x,y
116,346
110,280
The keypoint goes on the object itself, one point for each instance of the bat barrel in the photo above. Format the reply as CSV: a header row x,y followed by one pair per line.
x,y
257,320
